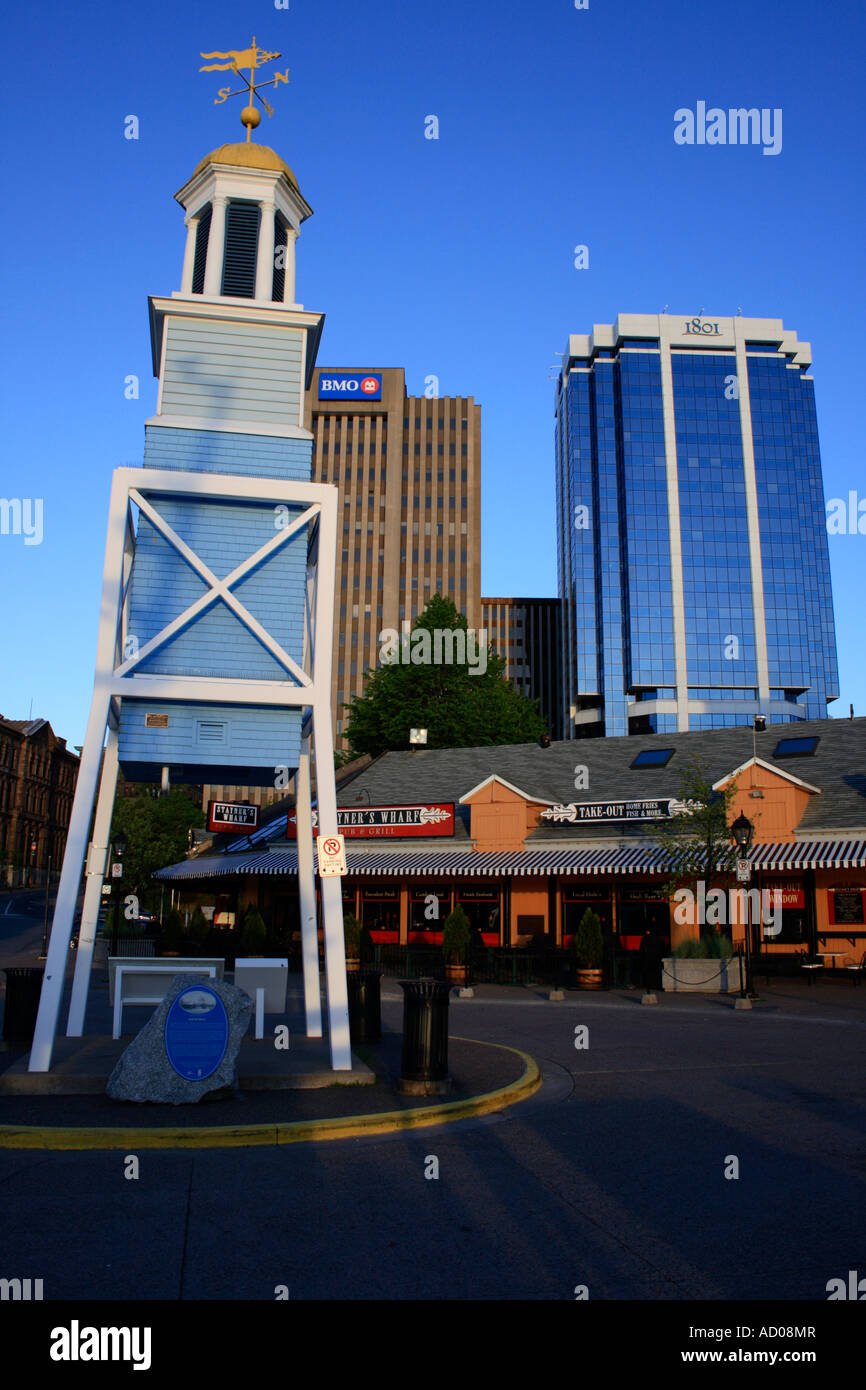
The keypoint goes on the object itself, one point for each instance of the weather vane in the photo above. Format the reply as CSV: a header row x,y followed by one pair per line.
x,y
252,58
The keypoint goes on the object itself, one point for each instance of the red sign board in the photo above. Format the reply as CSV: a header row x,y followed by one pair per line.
x,y
387,822
232,817
788,892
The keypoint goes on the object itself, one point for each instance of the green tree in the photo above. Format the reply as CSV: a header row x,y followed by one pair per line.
x,y
461,705
157,830
697,838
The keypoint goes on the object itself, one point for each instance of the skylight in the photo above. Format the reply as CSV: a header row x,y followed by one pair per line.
x,y
653,757
796,747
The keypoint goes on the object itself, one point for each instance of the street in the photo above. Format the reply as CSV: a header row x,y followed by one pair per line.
x,y
689,1151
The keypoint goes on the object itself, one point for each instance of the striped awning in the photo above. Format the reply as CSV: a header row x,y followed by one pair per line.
x,y
810,854
467,863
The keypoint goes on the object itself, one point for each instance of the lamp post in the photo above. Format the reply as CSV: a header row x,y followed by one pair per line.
x,y
742,831
118,845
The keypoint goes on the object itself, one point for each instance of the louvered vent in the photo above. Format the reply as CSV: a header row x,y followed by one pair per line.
x,y
242,236
280,241
211,731
201,240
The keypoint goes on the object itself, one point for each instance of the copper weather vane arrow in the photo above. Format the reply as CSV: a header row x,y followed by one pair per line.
x,y
252,58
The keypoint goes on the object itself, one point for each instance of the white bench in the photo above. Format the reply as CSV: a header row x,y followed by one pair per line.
x,y
148,984
179,962
265,979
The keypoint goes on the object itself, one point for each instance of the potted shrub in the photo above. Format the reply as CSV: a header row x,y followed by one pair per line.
x,y
589,950
172,933
456,934
254,933
352,931
198,931
704,965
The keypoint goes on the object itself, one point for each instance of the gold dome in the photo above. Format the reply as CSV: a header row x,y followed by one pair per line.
x,y
249,156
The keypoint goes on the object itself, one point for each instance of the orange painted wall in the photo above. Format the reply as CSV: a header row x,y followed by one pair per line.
x,y
500,819
777,813
528,898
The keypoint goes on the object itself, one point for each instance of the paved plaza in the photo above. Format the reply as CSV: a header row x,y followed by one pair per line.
x,y
611,1176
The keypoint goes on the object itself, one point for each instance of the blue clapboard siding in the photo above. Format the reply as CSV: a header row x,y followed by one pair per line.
x,y
256,740
232,371
219,451
216,643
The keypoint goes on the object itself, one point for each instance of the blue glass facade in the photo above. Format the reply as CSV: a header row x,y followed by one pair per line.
x,y
695,587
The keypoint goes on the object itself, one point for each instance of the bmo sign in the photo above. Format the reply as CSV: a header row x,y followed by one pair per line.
x,y
350,386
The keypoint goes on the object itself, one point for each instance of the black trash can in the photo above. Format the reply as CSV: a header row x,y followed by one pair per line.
x,y
365,1005
23,987
424,1065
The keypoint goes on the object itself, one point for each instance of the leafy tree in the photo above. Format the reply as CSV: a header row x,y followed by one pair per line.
x,y
459,704
697,838
157,830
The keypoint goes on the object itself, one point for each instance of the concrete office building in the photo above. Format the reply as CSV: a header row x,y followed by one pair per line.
x,y
408,469
692,544
526,632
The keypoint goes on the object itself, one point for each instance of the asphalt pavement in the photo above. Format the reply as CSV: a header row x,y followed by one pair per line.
x,y
685,1151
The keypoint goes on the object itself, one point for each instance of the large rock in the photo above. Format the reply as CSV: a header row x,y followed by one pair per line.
x,y
144,1072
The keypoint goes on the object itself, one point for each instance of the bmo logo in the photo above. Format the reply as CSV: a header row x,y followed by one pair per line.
x,y
350,386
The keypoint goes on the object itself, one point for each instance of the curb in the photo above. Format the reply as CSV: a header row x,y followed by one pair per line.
x,y
303,1131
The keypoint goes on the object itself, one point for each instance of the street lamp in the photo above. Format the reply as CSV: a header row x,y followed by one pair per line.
x,y
742,831
119,845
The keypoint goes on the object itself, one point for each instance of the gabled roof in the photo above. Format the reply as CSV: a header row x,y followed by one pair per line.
x,y
769,767
494,777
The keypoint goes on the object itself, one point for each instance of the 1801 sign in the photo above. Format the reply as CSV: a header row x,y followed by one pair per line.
x,y
707,329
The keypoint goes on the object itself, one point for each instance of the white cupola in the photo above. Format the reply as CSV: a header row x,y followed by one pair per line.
x,y
244,211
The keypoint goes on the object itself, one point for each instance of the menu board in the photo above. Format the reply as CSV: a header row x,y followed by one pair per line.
x,y
847,904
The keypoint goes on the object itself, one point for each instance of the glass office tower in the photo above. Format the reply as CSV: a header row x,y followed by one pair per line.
x,y
691,538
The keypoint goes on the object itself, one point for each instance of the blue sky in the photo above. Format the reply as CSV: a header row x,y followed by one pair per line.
x,y
451,256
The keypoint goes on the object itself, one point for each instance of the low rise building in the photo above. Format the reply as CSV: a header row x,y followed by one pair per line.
x,y
526,837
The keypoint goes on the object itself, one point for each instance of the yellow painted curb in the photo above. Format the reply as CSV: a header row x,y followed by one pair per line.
x,y
303,1131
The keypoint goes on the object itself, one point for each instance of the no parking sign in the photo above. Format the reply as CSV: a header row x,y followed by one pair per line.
x,y
332,854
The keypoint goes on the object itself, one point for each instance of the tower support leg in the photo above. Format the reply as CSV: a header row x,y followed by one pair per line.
x,y
332,895
307,896
70,878
95,873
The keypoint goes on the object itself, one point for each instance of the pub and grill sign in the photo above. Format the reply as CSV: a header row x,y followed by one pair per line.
x,y
386,821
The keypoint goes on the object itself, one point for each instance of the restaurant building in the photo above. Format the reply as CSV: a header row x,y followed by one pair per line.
x,y
526,837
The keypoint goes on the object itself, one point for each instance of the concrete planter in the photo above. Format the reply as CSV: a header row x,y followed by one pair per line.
x,y
710,976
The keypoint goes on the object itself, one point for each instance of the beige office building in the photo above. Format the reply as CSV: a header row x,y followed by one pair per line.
x,y
409,473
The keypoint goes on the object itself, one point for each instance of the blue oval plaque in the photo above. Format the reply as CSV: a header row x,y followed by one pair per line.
x,y
196,1032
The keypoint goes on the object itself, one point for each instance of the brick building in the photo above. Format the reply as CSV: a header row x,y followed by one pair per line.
x,y
37,784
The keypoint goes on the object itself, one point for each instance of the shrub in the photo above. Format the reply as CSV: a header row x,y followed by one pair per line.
x,y
588,943
172,930
254,933
352,936
455,937
198,928
693,948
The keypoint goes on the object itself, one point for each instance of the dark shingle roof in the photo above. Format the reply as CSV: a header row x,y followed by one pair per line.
x,y
838,767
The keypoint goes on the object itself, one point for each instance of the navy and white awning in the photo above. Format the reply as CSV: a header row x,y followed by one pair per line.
x,y
467,863
810,854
